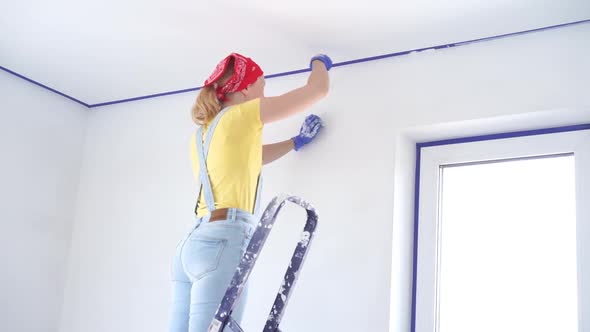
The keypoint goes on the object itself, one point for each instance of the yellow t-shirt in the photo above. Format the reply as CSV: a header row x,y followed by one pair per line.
x,y
235,158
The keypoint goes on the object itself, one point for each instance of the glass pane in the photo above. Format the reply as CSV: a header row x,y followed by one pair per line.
x,y
507,259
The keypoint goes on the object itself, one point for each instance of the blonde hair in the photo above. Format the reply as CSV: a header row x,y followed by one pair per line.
x,y
207,105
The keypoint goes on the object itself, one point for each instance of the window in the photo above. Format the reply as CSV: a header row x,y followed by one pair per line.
x,y
501,229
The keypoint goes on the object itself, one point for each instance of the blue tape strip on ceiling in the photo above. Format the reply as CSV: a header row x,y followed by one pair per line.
x,y
294,72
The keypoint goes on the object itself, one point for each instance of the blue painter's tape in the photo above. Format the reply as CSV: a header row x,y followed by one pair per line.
x,y
295,72
43,86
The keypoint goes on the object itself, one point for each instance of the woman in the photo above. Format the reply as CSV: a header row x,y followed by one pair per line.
x,y
227,156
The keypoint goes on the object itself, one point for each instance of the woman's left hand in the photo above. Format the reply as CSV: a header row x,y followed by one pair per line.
x,y
309,131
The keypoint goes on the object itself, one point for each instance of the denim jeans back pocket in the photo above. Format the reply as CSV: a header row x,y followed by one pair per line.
x,y
201,255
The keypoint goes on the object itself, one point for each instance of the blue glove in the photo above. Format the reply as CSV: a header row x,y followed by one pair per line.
x,y
323,58
309,130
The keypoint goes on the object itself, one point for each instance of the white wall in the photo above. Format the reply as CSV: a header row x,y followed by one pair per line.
x,y
137,191
42,141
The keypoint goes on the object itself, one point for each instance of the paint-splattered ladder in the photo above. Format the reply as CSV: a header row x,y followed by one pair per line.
x,y
223,322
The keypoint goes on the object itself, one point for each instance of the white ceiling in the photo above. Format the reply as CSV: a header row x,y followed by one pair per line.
x,y
108,50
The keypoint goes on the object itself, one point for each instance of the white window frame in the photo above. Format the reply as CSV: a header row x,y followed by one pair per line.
x,y
431,156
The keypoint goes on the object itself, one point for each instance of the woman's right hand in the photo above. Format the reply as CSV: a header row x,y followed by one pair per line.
x,y
321,58
298,100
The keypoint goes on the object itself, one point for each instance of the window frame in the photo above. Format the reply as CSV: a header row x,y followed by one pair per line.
x,y
431,156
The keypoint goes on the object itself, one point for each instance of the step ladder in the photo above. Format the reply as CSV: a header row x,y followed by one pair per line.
x,y
223,322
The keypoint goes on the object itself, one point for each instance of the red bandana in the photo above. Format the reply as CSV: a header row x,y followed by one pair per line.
x,y
246,72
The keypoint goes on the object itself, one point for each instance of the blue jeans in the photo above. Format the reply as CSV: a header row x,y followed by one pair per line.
x,y
202,268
